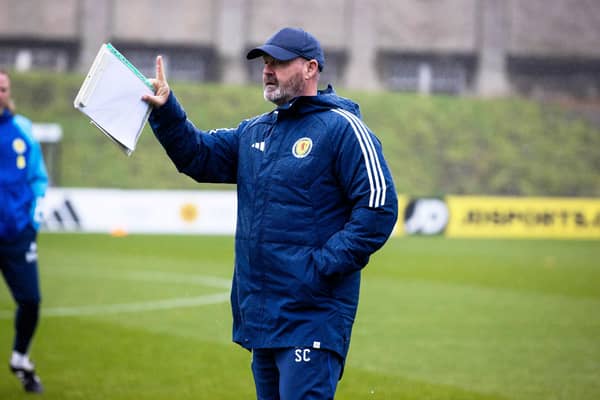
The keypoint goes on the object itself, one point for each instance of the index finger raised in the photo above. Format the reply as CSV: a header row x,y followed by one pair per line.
x,y
160,69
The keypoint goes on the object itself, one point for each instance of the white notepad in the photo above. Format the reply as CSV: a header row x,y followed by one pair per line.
x,y
111,96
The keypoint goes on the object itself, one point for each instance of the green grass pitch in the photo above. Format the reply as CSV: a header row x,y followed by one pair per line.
x,y
147,317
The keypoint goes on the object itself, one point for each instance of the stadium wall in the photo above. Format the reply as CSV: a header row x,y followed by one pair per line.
x,y
120,212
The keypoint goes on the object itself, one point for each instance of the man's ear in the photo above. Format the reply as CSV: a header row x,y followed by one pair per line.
x,y
311,69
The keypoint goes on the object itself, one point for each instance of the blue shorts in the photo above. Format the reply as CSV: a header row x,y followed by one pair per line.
x,y
295,373
18,262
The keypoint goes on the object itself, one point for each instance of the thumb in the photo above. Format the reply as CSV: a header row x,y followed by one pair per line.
x,y
161,94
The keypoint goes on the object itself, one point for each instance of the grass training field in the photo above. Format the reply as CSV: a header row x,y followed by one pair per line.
x,y
147,317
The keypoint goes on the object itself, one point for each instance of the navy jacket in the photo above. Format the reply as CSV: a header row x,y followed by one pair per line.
x,y
315,200
23,177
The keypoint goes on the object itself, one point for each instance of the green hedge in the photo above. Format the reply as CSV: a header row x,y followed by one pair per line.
x,y
434,144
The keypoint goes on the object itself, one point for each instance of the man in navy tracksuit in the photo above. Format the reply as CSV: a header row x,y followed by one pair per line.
x,y
23,180
315,200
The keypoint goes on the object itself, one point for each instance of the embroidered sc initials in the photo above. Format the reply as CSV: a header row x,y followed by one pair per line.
x,y
302,355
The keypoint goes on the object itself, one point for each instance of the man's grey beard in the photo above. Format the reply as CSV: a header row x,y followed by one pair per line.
x,y
285,93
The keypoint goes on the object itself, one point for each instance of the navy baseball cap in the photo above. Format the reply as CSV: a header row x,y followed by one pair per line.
x,y
288,44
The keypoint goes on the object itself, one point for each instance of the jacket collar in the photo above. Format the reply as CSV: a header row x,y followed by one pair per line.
x,y
5,115
325,99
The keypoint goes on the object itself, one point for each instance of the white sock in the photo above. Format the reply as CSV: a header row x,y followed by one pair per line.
x,y
15,359
18,360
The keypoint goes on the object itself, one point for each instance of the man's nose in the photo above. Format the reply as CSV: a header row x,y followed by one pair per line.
x,y
268,69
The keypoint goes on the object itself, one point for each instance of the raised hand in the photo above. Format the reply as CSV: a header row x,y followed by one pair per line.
x,y
161,87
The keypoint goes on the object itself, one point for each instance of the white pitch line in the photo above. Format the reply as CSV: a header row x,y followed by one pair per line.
x,y
168,304
203,280
151,276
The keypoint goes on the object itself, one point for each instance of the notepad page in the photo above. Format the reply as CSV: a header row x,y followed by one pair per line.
x,y
112,99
